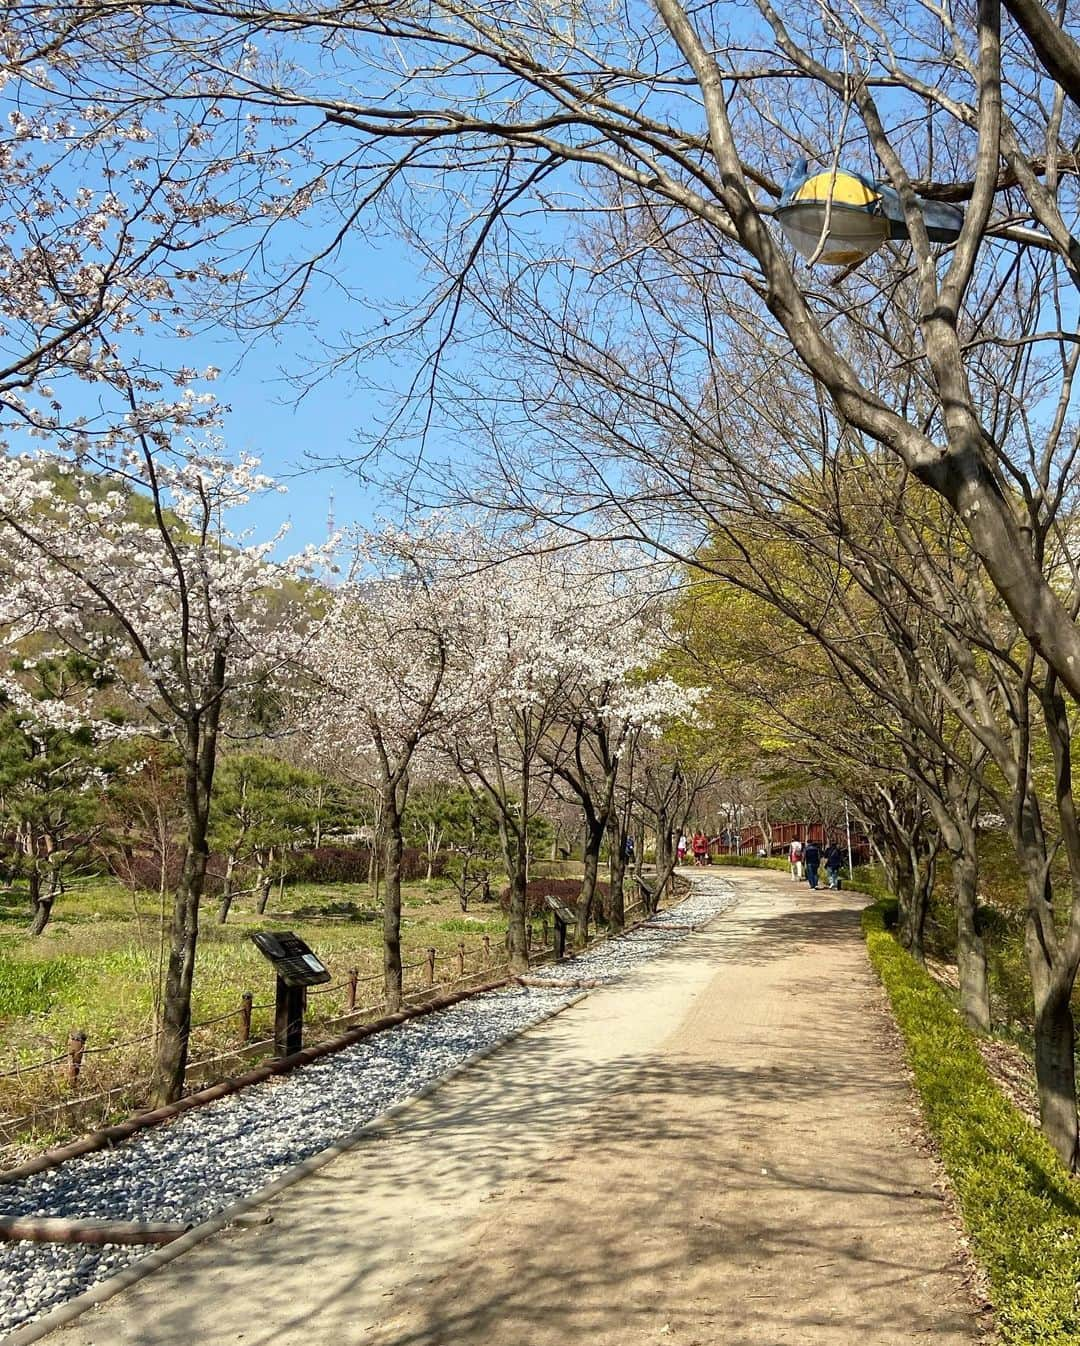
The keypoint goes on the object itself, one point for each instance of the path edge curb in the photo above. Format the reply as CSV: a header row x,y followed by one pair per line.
x,y
67,1313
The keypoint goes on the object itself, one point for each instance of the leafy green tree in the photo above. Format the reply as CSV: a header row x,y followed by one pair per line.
x,y
143,840
53,766
262,807
436,816
471,833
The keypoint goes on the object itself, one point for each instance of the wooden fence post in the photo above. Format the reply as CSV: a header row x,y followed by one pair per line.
x,y
245,1016
487,950
431,967
461,958
350,990
76,1047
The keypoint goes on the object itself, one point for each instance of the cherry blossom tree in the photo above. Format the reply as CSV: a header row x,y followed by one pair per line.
x,y
673,778
522,635
390,676
140,570
611,702
561,634
119,225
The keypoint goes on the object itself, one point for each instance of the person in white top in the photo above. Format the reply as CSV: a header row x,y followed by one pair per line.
x,y
795,859
681,849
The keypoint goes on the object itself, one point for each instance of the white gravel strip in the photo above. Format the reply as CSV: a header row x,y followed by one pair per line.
x,y
213,1156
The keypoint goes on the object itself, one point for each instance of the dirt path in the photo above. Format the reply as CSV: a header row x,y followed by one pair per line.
x,y
715,1152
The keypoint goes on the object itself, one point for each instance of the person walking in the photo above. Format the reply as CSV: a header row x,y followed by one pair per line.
x,y
812,861
795,860
680,849
700,847
833,861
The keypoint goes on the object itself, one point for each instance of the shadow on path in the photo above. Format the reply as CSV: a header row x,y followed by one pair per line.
x,y
743,1179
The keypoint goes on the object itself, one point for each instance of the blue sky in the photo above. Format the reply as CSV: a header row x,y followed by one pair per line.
x,y
295,435
266,419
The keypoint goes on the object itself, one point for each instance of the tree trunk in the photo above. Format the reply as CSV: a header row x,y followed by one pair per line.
x,y
616,904
913,896
200,757
42,902
516,942
664,882
1052,974
970,946
665,853
913,917
394,848
1055,1059
226,891
516,860
171,1063
594,840
33,886
955,815
266,880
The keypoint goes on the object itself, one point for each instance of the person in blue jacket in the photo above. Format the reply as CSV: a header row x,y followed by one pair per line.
x,y
812,861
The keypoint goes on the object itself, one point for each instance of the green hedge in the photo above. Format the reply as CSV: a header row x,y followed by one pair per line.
x,y
1020,1206
751,862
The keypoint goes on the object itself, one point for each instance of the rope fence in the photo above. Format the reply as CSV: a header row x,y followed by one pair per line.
x,y
79,1051
421,978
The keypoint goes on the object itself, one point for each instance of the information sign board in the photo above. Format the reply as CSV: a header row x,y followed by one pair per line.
x,y
559,907
293,960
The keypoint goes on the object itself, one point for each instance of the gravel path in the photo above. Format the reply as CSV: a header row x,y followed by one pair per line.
x,y
214,1156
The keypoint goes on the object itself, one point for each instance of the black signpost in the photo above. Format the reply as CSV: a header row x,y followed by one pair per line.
x,y
297,968
564,916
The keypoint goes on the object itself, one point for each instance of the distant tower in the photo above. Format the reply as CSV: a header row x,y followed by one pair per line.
x,y
330,518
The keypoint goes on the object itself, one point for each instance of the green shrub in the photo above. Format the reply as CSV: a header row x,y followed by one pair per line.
x,y
869,879
1020,1205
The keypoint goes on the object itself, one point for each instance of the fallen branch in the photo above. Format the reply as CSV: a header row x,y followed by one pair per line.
x,y
545,983
51,1229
